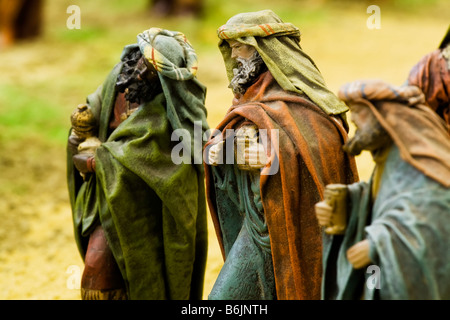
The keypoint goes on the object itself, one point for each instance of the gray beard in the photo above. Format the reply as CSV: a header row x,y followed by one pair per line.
x,y
246,73
371,141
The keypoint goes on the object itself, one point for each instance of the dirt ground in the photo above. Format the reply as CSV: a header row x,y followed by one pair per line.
x,y
38,255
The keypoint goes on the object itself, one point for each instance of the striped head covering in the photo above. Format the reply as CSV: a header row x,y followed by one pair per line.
x,y
175,61
259,30
377,90
278,44
162,49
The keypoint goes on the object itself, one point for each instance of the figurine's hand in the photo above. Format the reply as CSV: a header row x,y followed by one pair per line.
x,y
358,254
323,213
215,154
72,143
84,163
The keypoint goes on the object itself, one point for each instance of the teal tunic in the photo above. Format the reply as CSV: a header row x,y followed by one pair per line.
x,y
409,233
247,273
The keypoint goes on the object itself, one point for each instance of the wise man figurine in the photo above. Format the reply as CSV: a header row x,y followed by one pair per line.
x,y
269,160
139,217
391,234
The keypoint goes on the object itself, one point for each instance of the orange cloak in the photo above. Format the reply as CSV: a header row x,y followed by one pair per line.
x,y
310,156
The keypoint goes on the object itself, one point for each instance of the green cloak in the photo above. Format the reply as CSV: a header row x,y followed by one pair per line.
x,y
152,210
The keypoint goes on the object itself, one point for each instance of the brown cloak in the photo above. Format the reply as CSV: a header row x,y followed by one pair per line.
x,y
420,135
432,75
310,157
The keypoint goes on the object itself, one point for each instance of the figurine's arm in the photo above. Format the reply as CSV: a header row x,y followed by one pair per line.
x,y
85,163
331,213
72,143
84,160
358,254
323,213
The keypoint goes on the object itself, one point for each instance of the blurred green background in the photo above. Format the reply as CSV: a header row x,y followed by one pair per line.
x,y
43,80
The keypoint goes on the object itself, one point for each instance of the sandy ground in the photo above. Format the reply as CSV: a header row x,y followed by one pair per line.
x,y
38,256
37,246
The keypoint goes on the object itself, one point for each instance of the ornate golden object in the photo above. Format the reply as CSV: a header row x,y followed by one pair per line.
x,y
83,121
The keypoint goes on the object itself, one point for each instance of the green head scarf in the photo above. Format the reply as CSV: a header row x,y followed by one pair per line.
x,y
176,63
278,44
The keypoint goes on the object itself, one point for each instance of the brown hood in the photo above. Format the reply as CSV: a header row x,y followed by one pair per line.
x,y
421,136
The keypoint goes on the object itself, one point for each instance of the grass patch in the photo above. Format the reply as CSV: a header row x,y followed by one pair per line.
x,y
23,115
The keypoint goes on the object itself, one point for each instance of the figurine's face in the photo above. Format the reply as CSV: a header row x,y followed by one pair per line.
x,y
138,79
369,135
361,116
145,70
249,66
240,50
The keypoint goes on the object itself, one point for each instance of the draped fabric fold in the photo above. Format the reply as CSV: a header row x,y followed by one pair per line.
x,y
305,135
153,211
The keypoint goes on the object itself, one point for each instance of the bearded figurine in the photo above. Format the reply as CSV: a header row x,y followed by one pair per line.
x,y
140,218
391,234
269,160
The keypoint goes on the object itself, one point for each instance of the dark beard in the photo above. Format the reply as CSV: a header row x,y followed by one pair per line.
x,y
142,91
371,140
246,73
136,90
